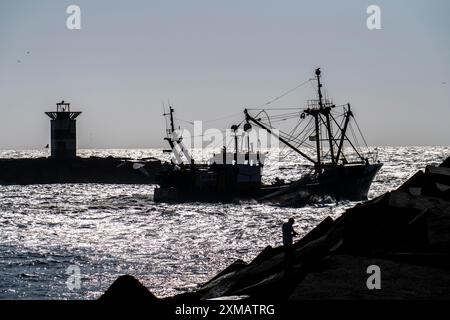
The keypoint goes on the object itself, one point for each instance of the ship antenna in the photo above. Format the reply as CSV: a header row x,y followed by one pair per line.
x,y
172,126
319,87
174,141
326,112
165,118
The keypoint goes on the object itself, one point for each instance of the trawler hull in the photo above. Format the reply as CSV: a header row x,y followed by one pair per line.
x,y
340,183
208,183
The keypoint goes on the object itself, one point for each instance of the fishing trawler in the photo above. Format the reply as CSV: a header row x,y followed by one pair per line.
x,y
228,175
338,167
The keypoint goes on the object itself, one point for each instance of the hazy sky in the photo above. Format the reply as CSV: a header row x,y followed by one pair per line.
x,y
212,58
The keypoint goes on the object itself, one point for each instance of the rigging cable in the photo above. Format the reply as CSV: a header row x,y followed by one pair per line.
x,y
361,134
284,94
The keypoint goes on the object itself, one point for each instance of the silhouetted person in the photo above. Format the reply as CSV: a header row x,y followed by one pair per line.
x,y
288,234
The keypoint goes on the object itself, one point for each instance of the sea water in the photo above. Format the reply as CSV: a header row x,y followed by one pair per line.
x,y
110,230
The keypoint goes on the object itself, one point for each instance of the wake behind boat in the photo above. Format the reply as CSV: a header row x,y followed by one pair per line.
x,y
323,135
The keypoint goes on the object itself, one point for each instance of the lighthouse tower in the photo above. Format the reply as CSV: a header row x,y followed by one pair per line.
x,y
63,132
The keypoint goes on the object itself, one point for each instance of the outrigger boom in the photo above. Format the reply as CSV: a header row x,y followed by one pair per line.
x,y
248,117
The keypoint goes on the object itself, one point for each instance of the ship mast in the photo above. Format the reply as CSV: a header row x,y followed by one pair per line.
x,y
348,114
325,111
170,131
175,142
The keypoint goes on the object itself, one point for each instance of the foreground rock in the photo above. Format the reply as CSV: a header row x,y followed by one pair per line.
x,y
127,289
405,232
341,277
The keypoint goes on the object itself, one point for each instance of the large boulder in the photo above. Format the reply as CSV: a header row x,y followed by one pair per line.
x,y
446,163
129,290
391,224
235,266
343,277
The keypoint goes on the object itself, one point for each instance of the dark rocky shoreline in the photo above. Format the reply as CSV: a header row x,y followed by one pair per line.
x,y
79,170
405,232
